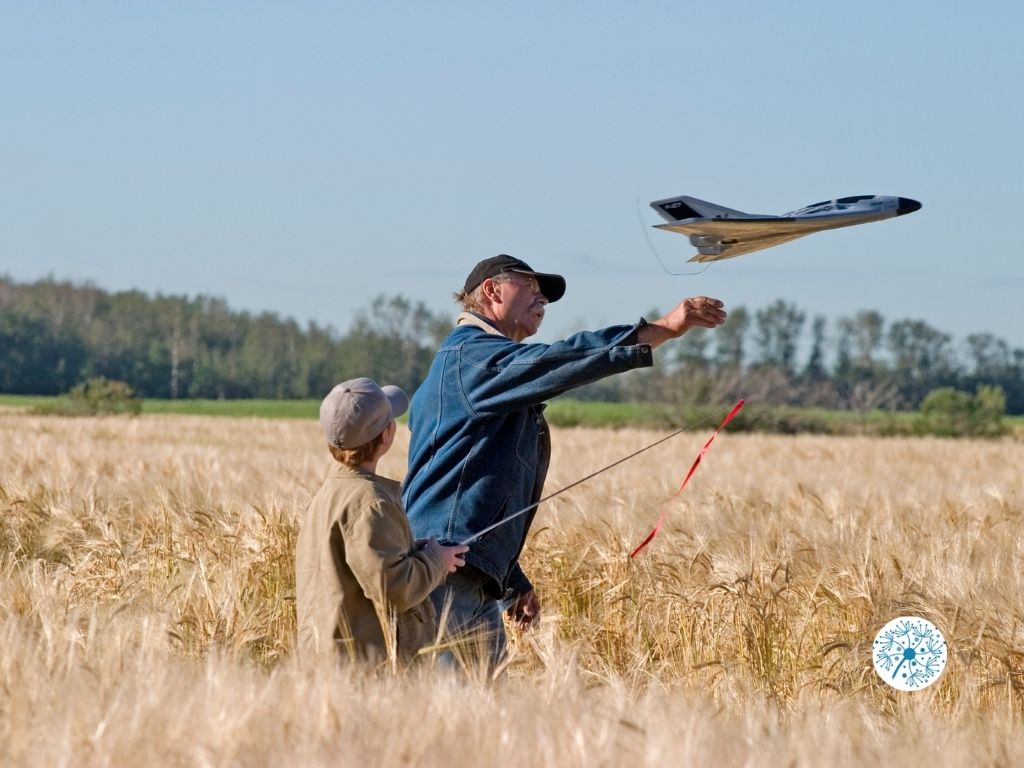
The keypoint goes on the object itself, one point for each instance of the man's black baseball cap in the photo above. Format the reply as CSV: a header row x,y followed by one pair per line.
x,y
552,286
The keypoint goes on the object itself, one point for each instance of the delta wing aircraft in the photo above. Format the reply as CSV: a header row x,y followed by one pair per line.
x,y
722,233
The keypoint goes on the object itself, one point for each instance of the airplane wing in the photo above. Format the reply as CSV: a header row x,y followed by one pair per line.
x,y
750,228
726,238
728,250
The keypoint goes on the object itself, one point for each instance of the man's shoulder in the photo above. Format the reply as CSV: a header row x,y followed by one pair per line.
x,y
474,335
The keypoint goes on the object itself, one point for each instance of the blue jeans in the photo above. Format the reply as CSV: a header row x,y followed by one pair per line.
x,y
473,611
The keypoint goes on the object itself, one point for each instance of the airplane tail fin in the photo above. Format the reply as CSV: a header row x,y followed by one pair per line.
x,y
679,208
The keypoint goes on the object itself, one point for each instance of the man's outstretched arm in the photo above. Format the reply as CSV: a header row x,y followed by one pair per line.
x,y
696,312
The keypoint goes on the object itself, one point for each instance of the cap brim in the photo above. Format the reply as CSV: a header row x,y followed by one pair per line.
x,y
552,286
397,399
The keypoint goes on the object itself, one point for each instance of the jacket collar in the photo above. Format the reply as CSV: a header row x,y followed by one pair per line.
x,y
472,318
343,470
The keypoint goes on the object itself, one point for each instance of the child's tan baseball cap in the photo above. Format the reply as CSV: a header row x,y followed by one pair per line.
x,y
357,410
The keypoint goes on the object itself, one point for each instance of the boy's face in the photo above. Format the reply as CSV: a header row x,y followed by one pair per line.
x,y
389,438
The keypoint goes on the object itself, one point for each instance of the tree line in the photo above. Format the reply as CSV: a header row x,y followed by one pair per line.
x,y
56,334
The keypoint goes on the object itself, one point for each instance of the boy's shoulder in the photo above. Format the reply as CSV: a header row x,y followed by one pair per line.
x,y
358,488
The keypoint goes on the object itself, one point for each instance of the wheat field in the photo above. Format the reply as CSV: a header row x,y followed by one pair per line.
x,y
147,606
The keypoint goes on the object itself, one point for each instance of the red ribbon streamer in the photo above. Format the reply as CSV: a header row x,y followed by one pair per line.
x,y
664,510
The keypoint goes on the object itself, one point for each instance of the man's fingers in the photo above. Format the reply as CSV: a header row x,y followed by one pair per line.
x,y
706,301
529,611
524,611
529,618
706,311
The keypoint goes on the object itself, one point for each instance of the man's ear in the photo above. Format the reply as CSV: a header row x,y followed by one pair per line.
x,y
492,290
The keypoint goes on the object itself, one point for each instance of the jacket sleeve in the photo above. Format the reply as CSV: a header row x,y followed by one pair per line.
x,y
498,375
377,550
518,581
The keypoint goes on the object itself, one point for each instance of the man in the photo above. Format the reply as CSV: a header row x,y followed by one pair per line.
x,y
480,446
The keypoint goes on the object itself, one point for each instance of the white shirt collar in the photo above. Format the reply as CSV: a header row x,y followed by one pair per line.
x,y
471,318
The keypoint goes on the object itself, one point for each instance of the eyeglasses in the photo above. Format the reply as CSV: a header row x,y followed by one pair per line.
x,y
527,280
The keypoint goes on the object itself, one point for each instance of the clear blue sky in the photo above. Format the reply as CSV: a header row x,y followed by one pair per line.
x,y
302,157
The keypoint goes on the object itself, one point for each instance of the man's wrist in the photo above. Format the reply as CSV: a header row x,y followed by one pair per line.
x,y
654,334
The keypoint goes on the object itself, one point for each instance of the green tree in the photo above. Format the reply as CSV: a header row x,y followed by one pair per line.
x,y
815,368
730,339
392,341
950,412
777,334
922,359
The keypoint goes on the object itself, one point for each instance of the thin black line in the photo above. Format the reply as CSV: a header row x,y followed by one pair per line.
x,y
536,504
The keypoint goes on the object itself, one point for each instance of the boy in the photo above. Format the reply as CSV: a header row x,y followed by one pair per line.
x,y
357,566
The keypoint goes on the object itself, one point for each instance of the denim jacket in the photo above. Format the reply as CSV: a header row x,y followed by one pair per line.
x,y
479,447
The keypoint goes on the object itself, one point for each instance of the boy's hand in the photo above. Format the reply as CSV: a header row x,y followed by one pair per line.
x,y
450,553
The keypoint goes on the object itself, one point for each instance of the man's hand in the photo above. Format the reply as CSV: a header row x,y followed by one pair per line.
x,y
696,312
525,611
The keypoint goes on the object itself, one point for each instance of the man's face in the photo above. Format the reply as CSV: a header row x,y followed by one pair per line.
x,y
522,305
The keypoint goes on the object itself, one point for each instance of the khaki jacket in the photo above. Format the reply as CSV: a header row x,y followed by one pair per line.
x,y
355,562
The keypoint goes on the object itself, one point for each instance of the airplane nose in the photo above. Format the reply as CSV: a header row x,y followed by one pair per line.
x,y
906,205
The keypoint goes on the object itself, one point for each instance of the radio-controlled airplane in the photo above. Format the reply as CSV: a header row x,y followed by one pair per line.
x,y
722,233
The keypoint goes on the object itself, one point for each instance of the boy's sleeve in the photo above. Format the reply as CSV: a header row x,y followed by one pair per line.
x,y
377,550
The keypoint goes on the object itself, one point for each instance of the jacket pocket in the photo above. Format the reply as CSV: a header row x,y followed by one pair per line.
x,y
415,629
422,613
501,511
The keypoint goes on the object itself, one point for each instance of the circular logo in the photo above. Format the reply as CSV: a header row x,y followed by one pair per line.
x,y
909,653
